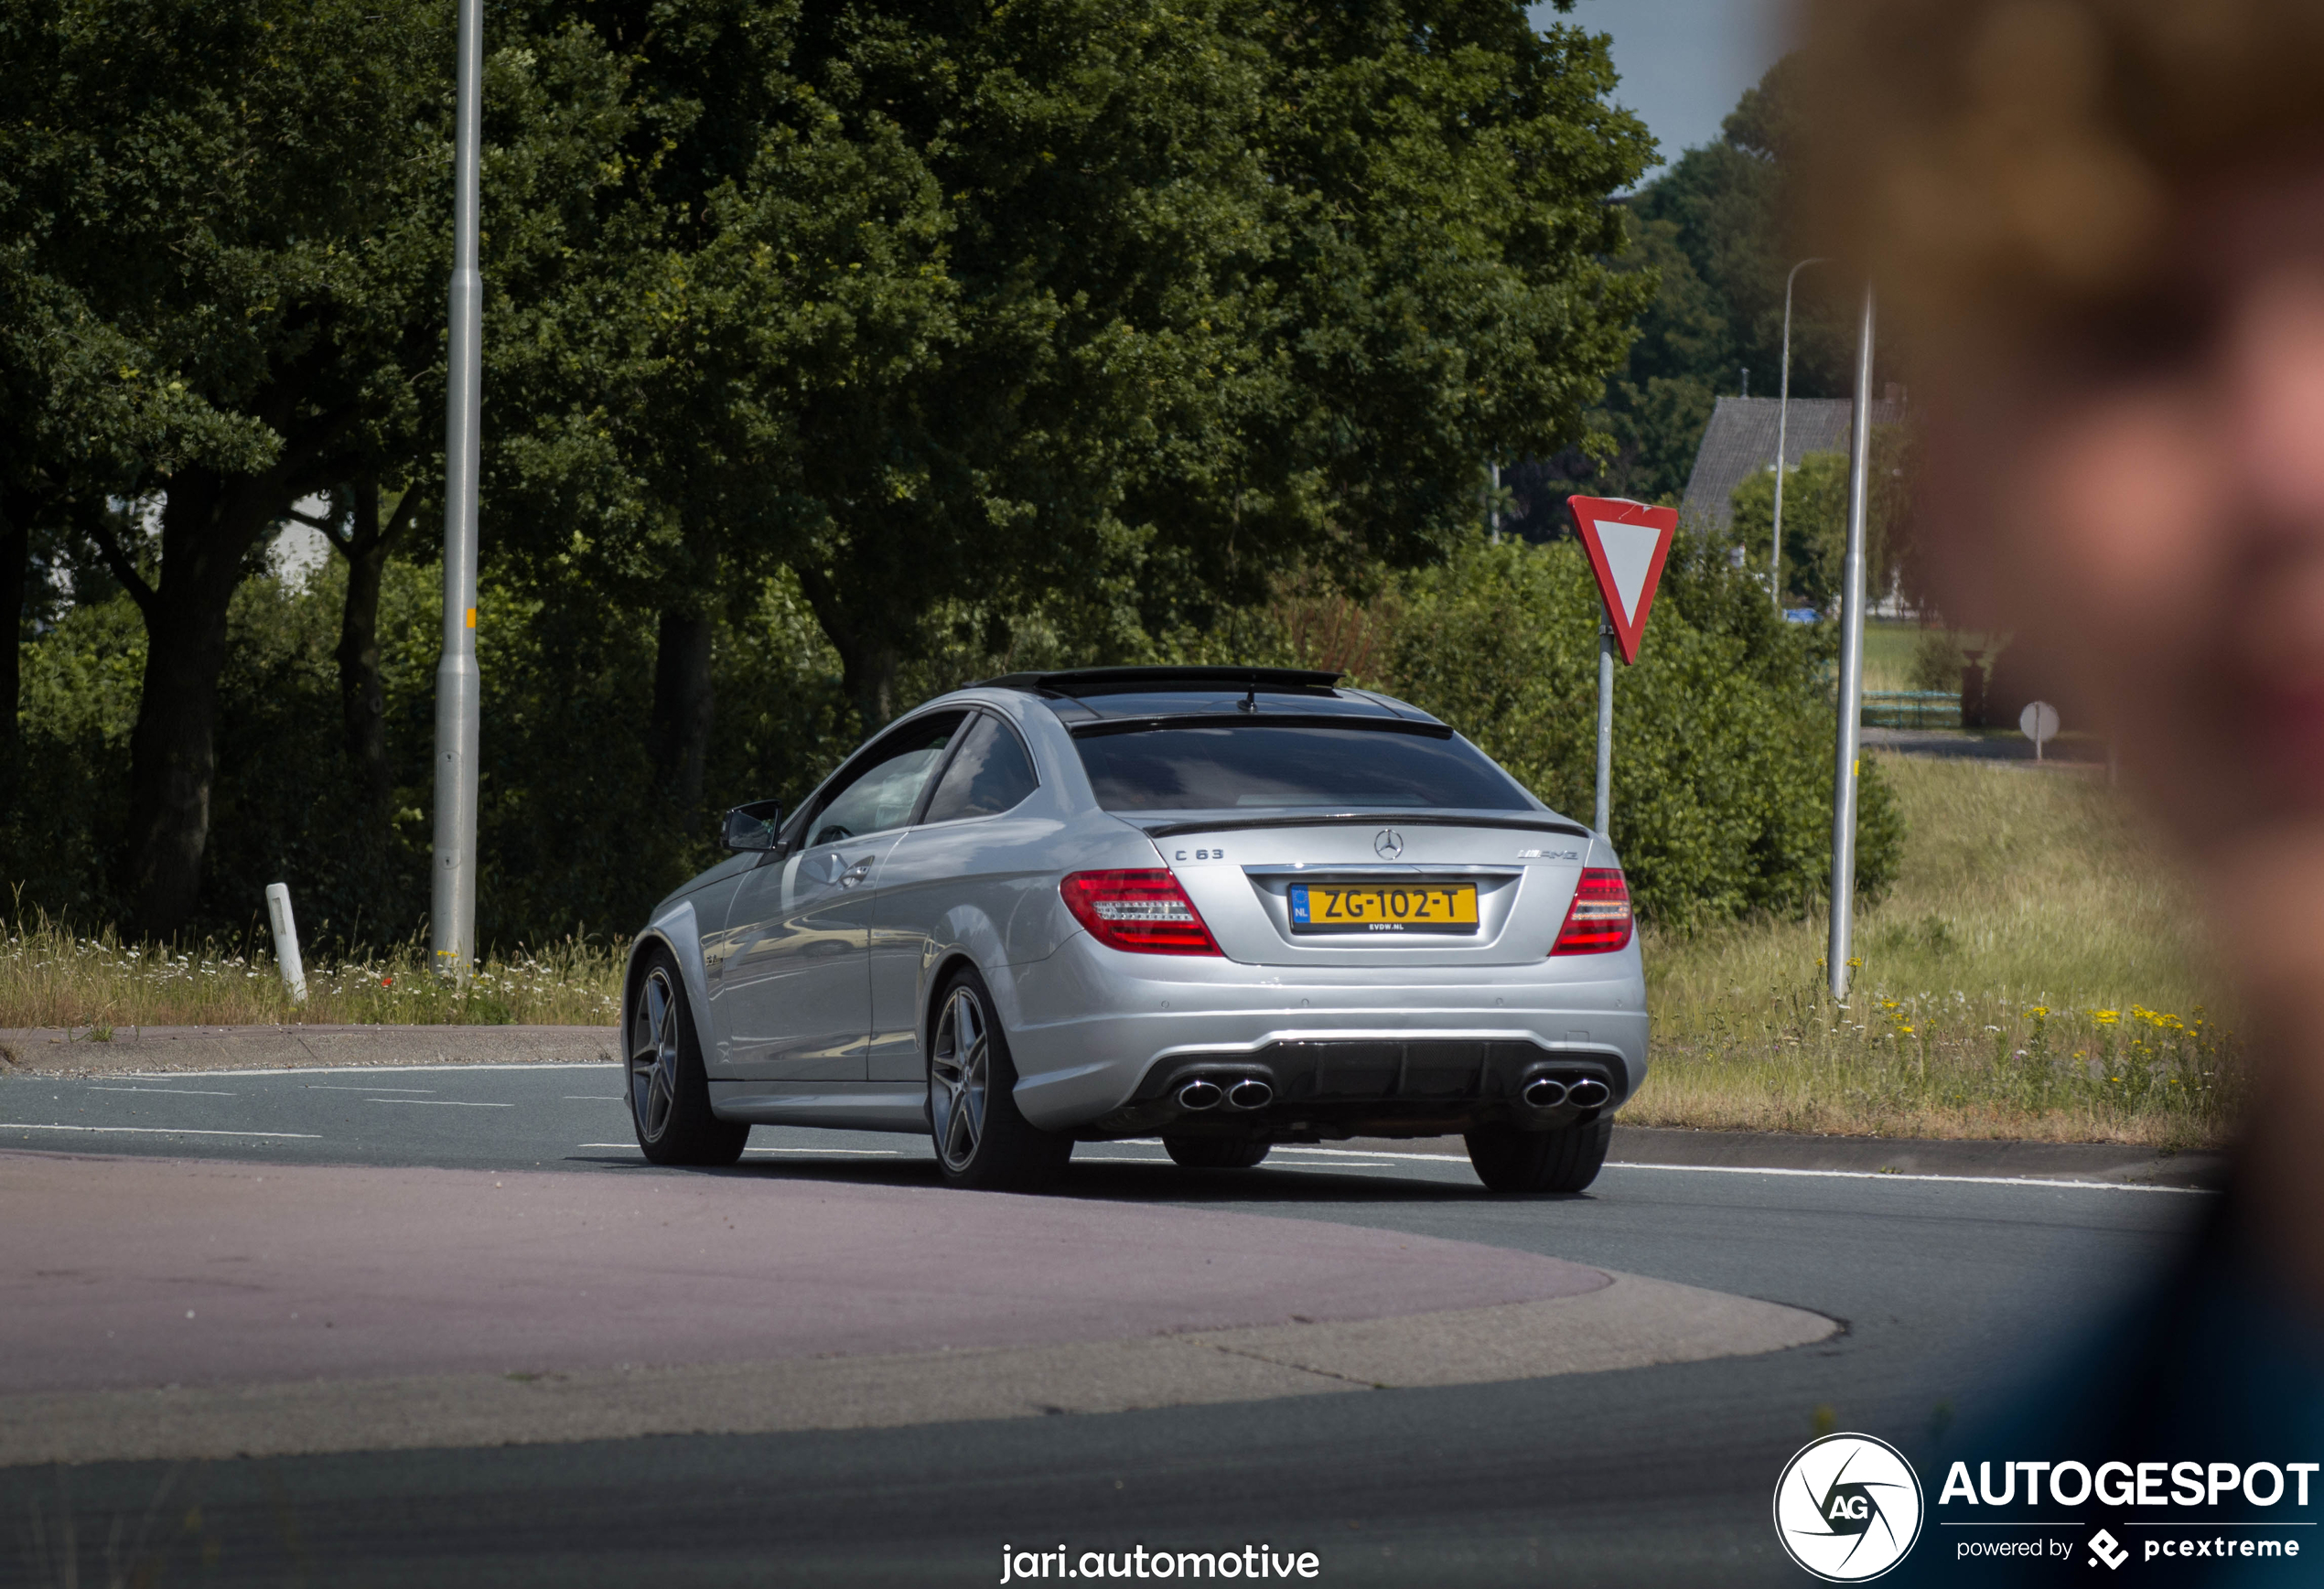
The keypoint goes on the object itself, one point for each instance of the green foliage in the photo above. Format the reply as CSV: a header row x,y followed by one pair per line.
x,y
1937,658
882,343
1722,745
1711,233
1815,521
572,837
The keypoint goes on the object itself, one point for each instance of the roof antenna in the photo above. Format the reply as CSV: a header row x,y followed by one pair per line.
x,y
1250,701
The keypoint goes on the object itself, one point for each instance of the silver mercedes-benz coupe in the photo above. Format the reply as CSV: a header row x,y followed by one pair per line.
x,y
1225,906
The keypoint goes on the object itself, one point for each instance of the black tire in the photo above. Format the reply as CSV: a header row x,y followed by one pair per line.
x,y
1508,1160
668,1092
1215,1153
983,1143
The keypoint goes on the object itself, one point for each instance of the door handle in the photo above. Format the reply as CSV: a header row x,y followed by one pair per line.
x,y
855,873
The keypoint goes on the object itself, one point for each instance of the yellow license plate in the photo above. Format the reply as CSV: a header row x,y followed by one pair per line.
x,y
1393,908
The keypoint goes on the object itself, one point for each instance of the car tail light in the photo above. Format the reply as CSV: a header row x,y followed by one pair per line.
x,y
1598,920
1145,911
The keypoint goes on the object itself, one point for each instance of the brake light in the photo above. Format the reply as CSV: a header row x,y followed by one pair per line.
x,y
1598,920
1144,911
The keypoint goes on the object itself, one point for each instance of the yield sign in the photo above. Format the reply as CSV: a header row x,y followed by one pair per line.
x,y
1626,542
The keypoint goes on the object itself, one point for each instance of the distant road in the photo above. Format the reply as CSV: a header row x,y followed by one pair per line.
x,y
1654,1475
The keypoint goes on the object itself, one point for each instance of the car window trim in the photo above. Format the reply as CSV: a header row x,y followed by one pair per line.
x,y
952,754
928,795
844,777
1232,719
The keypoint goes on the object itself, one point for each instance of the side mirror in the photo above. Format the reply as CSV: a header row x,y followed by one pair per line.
x,y
752,827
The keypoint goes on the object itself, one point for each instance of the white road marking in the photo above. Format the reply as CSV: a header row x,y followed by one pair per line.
x,y
592,1098
386,1070
155,1130
440,1103
1956,1180
854,1153
326,1086
183,1091
1368,1154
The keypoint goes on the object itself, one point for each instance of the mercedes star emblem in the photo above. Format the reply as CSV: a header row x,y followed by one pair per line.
x,y
1389,844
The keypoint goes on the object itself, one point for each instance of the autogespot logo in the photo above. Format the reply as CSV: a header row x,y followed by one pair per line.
x,y
1848,1507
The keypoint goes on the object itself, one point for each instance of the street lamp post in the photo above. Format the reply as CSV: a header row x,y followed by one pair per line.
x,y
452,902
1782,418
1847,747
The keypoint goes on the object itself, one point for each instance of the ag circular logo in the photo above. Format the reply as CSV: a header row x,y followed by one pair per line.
x,y
1848,1507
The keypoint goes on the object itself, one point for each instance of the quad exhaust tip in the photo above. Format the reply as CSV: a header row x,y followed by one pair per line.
x,y
1544,1092
1200,1094
1250,1093
1550,1092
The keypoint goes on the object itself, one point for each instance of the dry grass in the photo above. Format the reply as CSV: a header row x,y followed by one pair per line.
x,y
51,977
2035,973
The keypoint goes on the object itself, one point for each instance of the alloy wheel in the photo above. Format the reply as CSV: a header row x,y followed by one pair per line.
x,y
654,1057
960,1077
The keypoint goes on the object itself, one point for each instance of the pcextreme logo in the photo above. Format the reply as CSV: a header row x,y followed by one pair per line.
x,y
1848,1507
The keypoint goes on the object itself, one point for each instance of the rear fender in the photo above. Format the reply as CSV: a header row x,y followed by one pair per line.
x,y
967,936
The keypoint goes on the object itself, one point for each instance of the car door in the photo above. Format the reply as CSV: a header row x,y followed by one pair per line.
x,y
793,999
964,851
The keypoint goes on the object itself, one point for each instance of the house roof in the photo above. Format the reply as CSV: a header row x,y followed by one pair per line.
x,y
1740,441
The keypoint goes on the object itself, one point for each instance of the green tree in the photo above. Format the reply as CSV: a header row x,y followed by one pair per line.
x,y
1722,741
1816,522
248,200
1712,233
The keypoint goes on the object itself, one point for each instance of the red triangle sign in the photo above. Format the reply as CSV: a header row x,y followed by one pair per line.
x,y
1626,542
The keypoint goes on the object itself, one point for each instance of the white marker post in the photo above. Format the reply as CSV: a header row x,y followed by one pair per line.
x,y
2039,723
278,915
1627,543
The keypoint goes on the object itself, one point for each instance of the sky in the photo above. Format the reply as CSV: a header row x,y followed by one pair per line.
x,y
1684,63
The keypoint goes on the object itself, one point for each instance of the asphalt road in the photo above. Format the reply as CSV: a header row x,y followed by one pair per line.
x,y
1948,1289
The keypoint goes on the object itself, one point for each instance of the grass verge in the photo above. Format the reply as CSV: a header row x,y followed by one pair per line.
x,y
2036,972
51,976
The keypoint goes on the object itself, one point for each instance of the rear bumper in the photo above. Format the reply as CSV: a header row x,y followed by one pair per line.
x,y
1098,1037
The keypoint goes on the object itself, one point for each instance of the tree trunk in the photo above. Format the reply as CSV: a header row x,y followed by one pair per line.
x,y
208,528
869,656
362,698
678,735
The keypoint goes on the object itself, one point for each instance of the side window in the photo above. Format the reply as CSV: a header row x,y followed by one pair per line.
x,y
991,774
882,794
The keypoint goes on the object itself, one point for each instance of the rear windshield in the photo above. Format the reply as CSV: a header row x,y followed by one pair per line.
x,y
1198,769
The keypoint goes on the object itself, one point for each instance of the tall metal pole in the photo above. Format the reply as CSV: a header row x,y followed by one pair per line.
x,y
453,902
1782,418
1844,762
1605,728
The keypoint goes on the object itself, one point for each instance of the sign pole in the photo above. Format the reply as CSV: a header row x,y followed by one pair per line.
x,y
1604,727
1846,749
452,914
